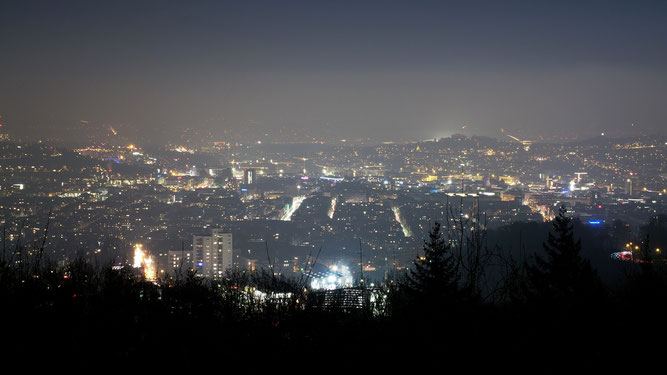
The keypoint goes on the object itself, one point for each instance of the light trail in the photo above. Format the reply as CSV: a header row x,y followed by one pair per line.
x,y
296,203
332,209
397,214
627,256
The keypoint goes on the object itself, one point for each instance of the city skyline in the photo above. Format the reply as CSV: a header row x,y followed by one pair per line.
x,y
478,183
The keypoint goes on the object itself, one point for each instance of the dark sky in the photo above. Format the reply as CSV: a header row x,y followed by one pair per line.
x,y
410,69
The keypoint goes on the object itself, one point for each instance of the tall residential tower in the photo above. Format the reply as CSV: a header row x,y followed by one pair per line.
x,y
212,254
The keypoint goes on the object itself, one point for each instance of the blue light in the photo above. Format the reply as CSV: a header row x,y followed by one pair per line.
x,y
434,191
244,189
566,192
594,222
200,264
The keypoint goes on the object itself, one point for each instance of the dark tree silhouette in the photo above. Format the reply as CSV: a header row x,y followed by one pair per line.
x,y
433,278
563,276
565,300
646,288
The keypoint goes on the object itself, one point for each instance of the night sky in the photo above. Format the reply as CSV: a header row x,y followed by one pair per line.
x,y
384,69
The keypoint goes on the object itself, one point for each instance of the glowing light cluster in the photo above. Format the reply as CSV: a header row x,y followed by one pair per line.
x,y
404,225
338,277
296,203
145,261
183,149
332,208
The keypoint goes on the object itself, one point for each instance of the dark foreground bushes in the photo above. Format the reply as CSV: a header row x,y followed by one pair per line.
x,y
558,316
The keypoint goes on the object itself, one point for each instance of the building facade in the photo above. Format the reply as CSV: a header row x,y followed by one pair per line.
x,y
212,254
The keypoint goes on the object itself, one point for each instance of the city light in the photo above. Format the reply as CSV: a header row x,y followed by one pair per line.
x,y
279,179
338,276
144,261
291,209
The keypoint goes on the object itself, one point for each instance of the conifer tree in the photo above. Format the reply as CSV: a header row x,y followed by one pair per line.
x,y
434,275
563,276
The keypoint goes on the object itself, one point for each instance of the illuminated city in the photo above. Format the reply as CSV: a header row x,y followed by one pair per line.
x,y
232,180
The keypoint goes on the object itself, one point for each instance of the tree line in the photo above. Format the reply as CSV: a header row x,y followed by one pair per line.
x,y
464,301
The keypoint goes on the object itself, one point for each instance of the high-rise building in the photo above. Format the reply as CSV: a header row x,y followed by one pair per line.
x,y
212,254
249,176
628,187
180,259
